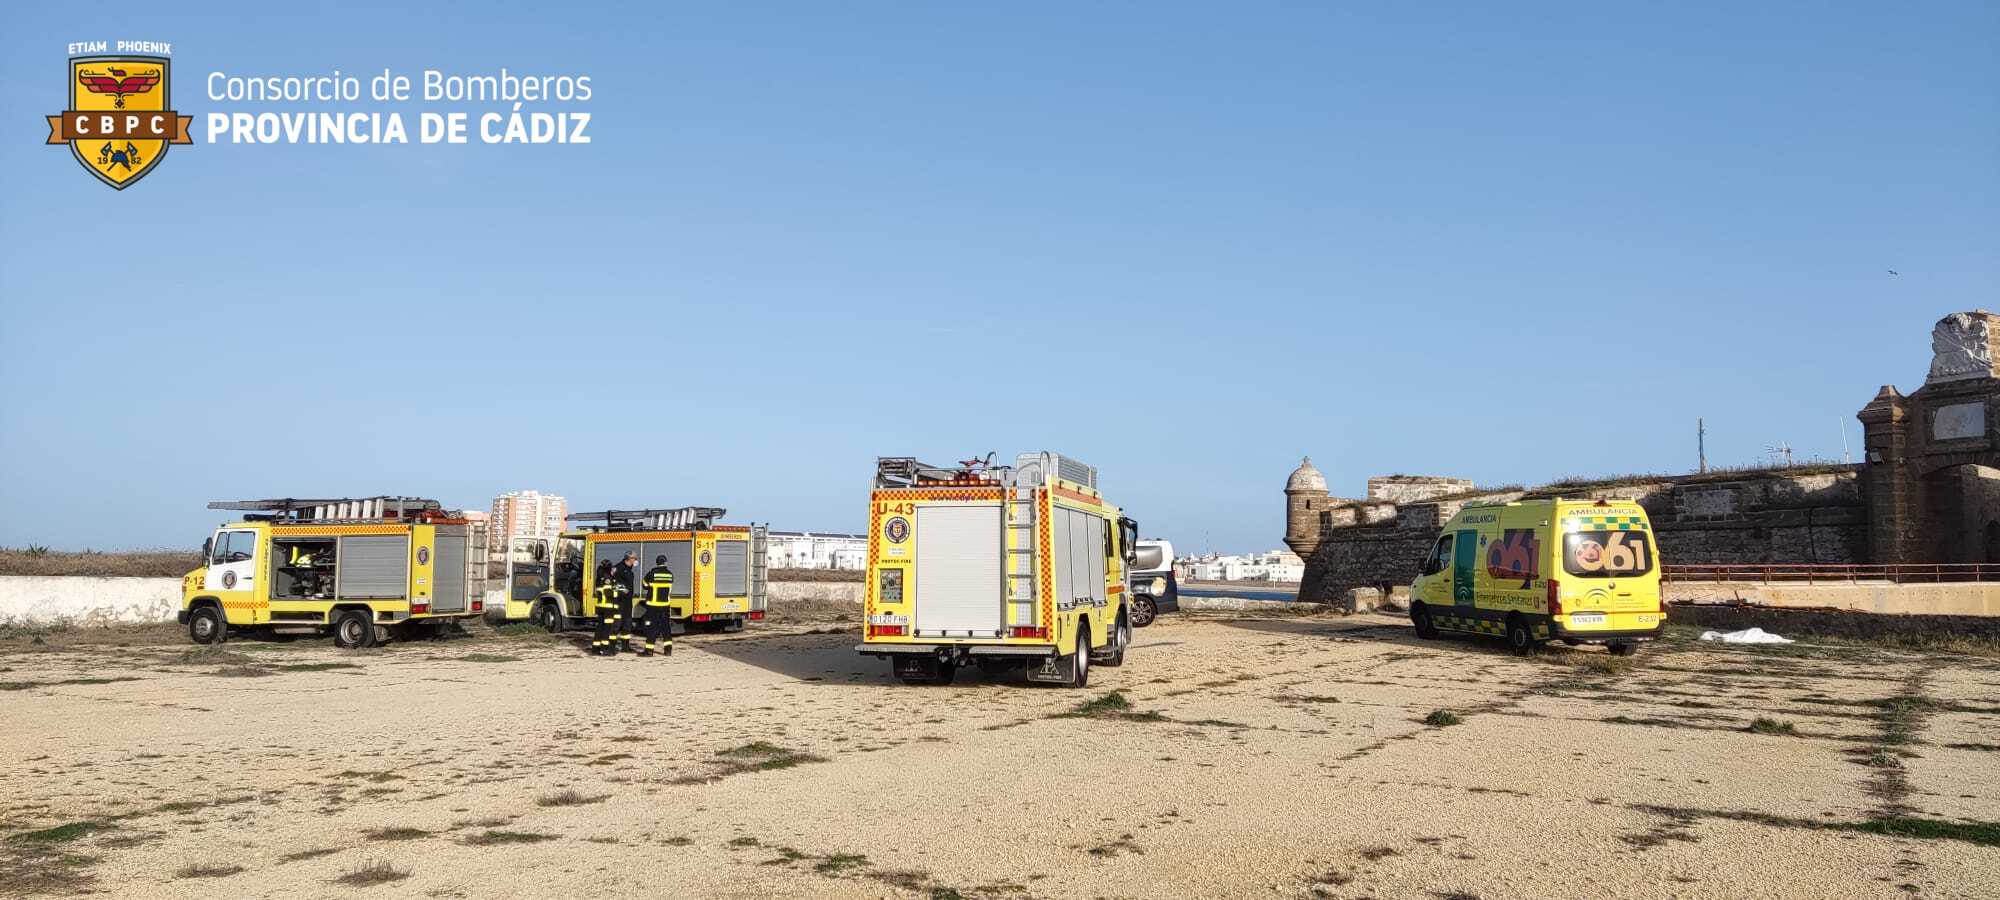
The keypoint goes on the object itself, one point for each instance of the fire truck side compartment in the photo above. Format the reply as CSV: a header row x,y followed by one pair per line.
x,y
373,567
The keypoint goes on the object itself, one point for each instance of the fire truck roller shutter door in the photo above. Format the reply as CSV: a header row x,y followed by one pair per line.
x,y
958,584
680,558
448,570
373,567
1097,559
1060,544
732,568
1080,552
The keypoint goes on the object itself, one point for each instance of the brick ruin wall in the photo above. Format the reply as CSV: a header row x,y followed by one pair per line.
x,y
1820,516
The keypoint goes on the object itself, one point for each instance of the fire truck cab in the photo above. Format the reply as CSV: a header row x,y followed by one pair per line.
x,y
720,572
1002,567
367,569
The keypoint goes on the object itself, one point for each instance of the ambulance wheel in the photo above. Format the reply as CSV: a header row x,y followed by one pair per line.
x,y
1622,649
206,625
550,618
1144,610
352,630
1421,617
1519,638
1121,637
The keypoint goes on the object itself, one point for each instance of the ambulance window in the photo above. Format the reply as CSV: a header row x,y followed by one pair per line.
x,y
1439,555
1607,554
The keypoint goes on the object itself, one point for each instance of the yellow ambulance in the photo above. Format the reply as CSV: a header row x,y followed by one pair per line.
x,y
1017,567
1577,571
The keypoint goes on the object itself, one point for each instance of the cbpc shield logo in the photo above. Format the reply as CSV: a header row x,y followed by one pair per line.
x,y
120,120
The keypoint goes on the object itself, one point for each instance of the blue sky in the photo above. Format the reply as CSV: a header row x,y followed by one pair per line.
x,y
1186,243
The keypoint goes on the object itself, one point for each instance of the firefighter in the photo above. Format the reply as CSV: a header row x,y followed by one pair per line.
x,y
659,609
624,576
607,612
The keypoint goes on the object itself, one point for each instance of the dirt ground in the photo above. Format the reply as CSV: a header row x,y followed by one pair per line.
x,y
1229,757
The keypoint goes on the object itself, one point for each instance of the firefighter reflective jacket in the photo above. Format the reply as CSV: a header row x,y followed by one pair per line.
x,y
659,586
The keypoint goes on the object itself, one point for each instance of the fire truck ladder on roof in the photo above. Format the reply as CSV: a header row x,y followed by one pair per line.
x,y
335,510
907,472
686,518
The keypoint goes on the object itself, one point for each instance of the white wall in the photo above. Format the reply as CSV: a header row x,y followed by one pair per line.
x,y
81,600
77,600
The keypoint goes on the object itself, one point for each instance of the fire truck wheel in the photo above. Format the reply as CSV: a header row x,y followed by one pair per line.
x,y
206,626
946,673
549,618
1121,637
1143,611
353,630
1079,674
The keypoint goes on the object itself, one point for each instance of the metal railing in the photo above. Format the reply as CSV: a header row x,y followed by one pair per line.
x,y
1834,573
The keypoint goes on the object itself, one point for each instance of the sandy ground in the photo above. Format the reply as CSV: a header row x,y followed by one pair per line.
x,y
1259,757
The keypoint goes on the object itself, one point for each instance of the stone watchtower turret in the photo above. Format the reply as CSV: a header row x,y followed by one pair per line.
x,y
1306,499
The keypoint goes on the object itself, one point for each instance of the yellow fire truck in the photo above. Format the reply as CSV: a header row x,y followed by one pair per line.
x,y
1001,567
721,575
367,569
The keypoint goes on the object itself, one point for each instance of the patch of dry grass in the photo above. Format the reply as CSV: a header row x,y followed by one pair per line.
x,y
395,834
491,838
1113,706
207,870
118,564
818,575
1599,663
570,797
372,872
814,611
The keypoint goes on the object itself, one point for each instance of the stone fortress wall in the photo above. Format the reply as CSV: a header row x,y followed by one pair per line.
x,y
1815,514
1927,491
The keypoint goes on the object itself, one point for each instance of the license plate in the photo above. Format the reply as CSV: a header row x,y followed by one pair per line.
x,y
1587,619
888,620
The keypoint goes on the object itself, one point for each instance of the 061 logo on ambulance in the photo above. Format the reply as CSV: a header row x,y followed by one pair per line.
x,y
1515,555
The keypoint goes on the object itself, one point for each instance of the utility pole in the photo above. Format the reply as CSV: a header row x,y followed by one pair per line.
x,y
1701,443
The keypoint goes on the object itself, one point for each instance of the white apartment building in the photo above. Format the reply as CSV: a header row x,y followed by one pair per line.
x,y
816,550
525,514
1276,565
